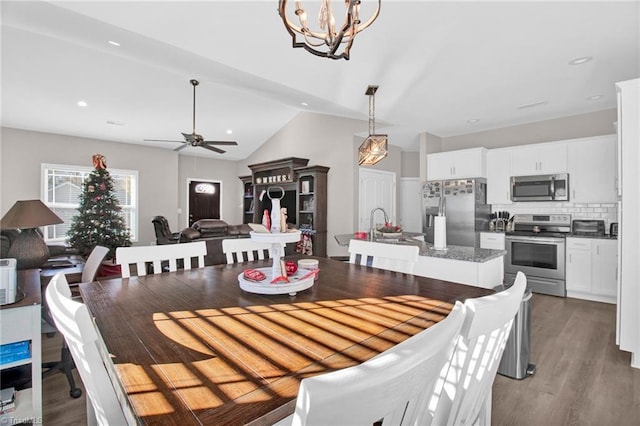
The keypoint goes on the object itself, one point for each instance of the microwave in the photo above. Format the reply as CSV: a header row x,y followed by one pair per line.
x,y
540,188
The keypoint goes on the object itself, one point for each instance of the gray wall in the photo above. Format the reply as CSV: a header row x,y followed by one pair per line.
x,y
210,169
326,141
162,174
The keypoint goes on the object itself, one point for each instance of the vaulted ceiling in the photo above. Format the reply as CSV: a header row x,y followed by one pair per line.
x,y
439,65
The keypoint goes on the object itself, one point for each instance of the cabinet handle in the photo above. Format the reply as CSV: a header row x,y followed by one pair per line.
x,y
570,258
598,250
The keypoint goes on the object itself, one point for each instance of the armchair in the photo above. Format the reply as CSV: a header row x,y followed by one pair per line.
x,y
163,232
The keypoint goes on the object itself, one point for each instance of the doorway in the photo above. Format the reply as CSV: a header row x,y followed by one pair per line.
x,y
203,201
377,189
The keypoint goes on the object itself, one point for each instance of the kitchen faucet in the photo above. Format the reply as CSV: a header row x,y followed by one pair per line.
x,y
371,229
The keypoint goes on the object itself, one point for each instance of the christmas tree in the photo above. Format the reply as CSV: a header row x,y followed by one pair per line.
x,y
99,221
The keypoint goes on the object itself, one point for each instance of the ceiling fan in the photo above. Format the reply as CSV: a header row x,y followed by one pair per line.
x,y
194,139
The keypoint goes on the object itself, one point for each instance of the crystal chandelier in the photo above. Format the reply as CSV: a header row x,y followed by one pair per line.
x,y
327,41
374,147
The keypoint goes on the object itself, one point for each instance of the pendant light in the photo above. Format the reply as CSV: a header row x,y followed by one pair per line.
x,y
374,147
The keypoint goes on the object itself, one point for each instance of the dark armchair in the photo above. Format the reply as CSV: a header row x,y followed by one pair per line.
x,y
163,232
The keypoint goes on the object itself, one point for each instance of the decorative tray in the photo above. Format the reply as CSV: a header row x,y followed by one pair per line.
x,y
389,234
296,283
279,237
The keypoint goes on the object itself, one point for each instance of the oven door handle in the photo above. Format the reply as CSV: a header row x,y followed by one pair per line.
x,y
553,240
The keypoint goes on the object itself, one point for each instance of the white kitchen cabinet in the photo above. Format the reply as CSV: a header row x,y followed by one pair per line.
x,y
591,269
592,170
539,159
492,240
461,164
499,176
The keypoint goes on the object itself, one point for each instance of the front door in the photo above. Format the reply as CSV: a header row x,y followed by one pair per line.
x,y
204,200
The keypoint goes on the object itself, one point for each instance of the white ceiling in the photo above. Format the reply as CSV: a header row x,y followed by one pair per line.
x,y
438,64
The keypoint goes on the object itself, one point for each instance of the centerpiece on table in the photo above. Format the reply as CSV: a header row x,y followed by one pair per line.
x,y
389,230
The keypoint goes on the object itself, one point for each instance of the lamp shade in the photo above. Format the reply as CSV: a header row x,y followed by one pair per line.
x,y
28,214
29,249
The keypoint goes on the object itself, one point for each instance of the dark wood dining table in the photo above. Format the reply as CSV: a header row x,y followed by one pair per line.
x,y
191,347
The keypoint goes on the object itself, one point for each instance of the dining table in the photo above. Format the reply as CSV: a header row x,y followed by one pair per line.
x,y
192,348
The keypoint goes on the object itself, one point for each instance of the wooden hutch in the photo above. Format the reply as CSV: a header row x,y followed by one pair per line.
x,y
305,196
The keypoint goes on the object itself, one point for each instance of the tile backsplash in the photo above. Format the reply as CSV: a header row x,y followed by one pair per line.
x,y
604,211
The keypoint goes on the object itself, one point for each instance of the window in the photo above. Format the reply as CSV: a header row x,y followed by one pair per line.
x,y
62,185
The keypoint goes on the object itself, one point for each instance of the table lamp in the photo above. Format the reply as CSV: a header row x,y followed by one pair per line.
x,y
29,249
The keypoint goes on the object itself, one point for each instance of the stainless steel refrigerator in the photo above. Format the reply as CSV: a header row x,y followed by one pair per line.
x,y
467,211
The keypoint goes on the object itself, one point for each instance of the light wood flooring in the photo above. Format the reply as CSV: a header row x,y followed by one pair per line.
x,y
581,379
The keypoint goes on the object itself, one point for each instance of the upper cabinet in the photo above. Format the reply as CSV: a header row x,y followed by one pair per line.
x,y
461,164
592,170
539,159
498,176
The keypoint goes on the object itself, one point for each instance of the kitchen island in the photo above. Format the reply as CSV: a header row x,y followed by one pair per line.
x,y
468,265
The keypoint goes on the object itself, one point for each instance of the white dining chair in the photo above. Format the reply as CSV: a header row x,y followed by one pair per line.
x,y
466,398
238,250
65,364
392,257
389,387
171,253
106,401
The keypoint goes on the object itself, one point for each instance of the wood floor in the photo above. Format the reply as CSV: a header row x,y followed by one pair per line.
x,y
581,379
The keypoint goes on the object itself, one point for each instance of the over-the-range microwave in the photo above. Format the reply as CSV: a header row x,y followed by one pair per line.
x,y
540,188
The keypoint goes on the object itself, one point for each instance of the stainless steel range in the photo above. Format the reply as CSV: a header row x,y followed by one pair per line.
x,y
536,246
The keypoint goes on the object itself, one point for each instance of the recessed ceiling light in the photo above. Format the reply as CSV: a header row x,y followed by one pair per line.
x,y
114,43
582,60
595,97
82,104
229,131
533,104
473,120
304,104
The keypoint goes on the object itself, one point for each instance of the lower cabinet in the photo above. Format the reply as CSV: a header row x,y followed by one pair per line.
x,y
492,240
591,269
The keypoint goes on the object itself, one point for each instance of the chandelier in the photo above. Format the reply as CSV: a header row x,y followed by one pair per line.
x,y
374,147
330,37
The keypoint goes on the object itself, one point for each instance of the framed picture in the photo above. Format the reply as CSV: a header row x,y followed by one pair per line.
x,y
305,186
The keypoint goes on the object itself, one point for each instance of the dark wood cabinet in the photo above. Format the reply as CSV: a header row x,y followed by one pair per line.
x,y
312,205
247,199
305,196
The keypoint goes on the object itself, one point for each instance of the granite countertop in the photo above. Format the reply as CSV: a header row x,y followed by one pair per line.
x,y
465,254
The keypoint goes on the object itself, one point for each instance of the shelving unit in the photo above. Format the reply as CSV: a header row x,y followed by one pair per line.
x,y
312,205
19,322
247,199
306,189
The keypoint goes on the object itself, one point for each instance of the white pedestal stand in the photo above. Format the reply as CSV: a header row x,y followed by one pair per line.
x,y
297,282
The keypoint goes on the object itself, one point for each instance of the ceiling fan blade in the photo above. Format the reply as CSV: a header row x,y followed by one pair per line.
x,y
183,146
221,142
214,149
161,140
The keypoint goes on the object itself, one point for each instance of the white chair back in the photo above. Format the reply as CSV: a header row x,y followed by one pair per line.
x,y
391,386
392,257
108,402
93,263
141,255
244,249
466,399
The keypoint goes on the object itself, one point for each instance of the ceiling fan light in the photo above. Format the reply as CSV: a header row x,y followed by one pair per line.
x,y
331,37
372,150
